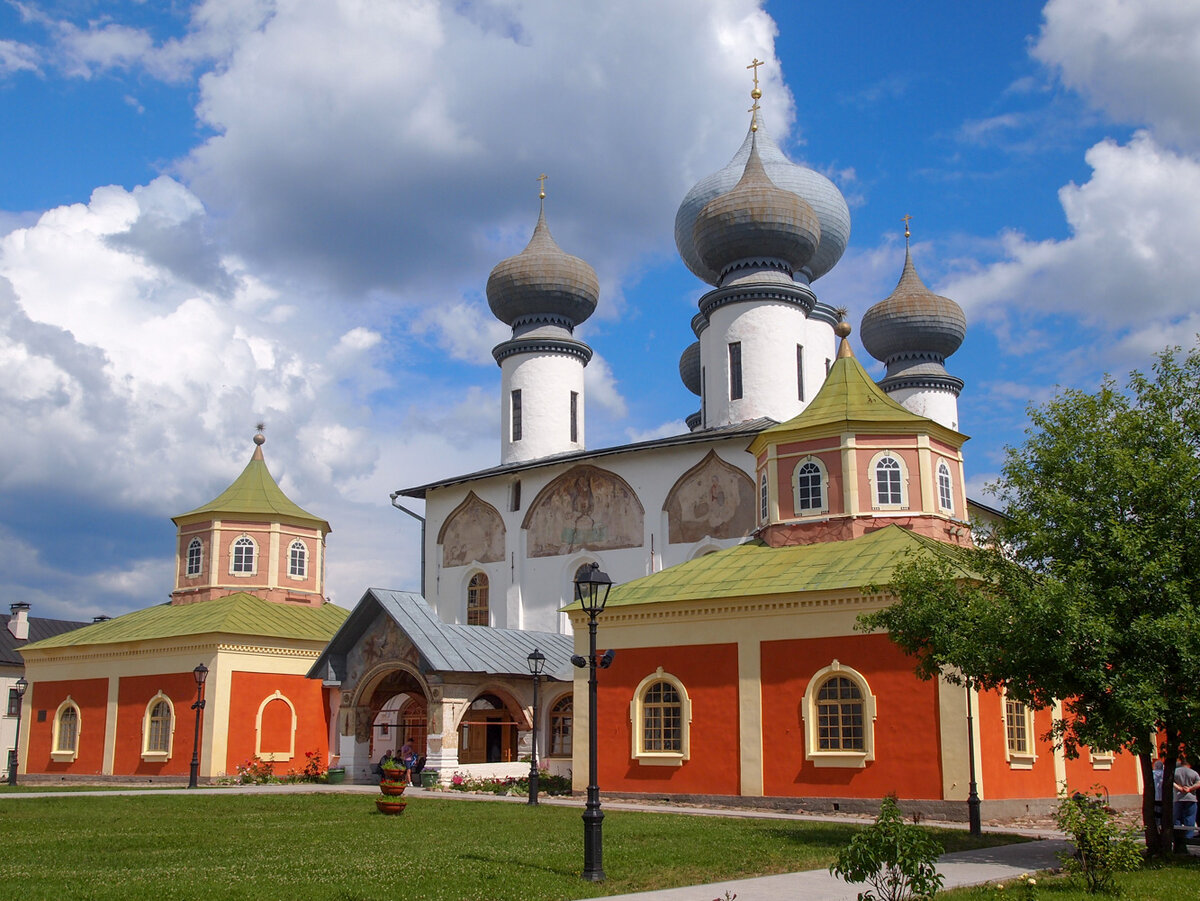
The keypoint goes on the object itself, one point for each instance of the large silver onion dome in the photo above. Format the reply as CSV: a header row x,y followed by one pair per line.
x,y
543,282
913,321
817,190
689,367
756,221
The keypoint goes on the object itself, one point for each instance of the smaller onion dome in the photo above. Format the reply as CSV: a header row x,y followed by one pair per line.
x,y
913,322
756,223
543,283
689,367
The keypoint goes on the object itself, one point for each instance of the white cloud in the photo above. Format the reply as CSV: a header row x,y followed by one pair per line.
x,y
1138,61
17,57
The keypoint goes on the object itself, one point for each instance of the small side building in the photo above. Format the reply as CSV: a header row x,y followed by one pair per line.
x,y
115,698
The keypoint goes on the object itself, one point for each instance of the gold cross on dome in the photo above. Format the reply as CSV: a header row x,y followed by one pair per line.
x,y
906,219
542,186
755,63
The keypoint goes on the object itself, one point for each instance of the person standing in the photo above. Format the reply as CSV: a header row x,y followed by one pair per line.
x,y
1187,780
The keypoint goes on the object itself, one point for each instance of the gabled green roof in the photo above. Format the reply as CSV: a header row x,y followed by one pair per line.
x,y
849,395
755,569
236,614
255,492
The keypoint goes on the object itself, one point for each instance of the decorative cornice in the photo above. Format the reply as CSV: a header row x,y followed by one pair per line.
x,y
693,421
542,345
946,382
796,295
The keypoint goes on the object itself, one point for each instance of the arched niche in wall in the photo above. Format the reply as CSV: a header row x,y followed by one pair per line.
x,y
713,499
585,508
472,533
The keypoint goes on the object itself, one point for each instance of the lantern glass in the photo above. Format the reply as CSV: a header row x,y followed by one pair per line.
x,y
201,673
591,590
537,662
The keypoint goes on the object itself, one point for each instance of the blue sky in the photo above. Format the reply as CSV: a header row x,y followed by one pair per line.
x,y
219,212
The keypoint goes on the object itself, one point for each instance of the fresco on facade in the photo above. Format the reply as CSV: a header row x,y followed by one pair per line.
x,y
585,508
383,642
713,499
472,533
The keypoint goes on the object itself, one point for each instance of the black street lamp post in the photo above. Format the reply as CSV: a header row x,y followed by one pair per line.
x,y
14,759
591,590
972,788
537,660
201,673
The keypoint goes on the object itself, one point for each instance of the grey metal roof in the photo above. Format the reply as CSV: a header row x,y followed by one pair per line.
x,y
39,628
747,429
445,647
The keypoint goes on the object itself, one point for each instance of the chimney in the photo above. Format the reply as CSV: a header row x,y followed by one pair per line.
x,y
102,618
18,623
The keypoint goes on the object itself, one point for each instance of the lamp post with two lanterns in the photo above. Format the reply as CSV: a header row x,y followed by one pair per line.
x,y
591,591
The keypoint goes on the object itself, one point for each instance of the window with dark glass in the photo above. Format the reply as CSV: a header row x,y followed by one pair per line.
x,y
195,557
662,718
887,481
800,371
243,555
840,718
477,600
574,416
809,493
561,720
735,370
158,733
297,559
945,496
516,414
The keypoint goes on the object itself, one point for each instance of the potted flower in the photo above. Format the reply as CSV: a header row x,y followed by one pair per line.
x,y
390,805
392,788
393,769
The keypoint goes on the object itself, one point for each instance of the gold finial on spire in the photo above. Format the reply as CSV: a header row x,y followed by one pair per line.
x,y
542,186
259,438
842,330
755,94
907,233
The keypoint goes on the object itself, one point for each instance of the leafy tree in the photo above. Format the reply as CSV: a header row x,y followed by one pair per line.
x,y
897,860
1090,591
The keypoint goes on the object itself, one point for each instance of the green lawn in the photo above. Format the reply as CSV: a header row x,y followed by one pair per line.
x,y
337,847
1178,880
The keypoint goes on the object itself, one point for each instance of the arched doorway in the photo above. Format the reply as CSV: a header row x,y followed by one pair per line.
x,y
398,712
487,732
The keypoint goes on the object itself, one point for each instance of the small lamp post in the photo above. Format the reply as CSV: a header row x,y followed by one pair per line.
x,y
14,759
591,591
537,662
976,825
200,673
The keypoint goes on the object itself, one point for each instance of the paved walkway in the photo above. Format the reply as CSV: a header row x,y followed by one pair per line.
x,y
999,864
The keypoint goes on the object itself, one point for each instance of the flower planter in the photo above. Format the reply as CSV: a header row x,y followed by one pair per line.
x,y
390,806
429,779
394,789
335,775
392,774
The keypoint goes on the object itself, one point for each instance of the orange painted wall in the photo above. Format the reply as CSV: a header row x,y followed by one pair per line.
x,y
133,694
1000,779
277,726
249,690
91,695
907,757
709,673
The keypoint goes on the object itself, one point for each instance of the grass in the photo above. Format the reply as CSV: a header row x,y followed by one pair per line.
x,y
1175,880
337,847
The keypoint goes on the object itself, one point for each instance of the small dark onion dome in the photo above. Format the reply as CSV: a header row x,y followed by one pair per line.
x,y
689,368
543,284
817,190
913,323
756,223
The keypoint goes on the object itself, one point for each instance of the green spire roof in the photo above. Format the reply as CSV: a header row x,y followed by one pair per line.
x,y
755,569
255,492
235,614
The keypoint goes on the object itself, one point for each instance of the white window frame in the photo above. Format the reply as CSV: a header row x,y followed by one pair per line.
x,y
823,507
233,545
848,759
66,755
1017,759
873,480
187,560
274,755
660,758
297,544
1101,760
764,498
945,486
147,753
570,737
487,605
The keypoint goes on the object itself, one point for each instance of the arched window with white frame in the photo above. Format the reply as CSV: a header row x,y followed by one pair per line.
x,y
945,487
158,728
888,476
1019,746
195,557
562,722
477,601
243,560
298,559
661,714
67,725
839,718
809,487
763,497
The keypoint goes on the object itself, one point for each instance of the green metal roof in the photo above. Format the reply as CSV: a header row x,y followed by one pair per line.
x,y
235,614
849,395
255,492
755,569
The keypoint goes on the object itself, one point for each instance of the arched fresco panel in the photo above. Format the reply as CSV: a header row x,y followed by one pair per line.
x,y
473,532
586,508
713,499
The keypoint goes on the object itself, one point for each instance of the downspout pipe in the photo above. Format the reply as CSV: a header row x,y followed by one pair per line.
x,y
399,506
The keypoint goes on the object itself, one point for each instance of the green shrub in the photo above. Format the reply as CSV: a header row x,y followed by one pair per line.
x,y
897,860
1103,847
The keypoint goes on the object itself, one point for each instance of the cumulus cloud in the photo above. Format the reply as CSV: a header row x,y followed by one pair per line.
x,y
17,57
